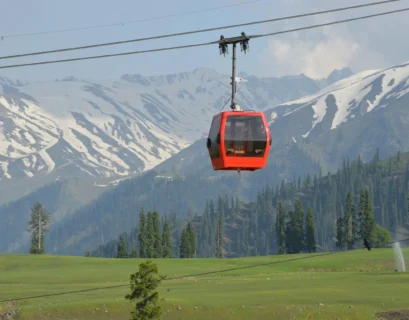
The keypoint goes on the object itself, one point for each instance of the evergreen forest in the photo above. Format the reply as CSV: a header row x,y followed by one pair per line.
x,y
318,213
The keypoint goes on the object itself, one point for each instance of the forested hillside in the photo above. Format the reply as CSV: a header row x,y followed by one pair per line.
x,y
117,209
61,198
250,228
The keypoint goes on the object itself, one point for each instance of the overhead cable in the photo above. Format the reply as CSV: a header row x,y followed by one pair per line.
x,y
128,22
196,31
200,44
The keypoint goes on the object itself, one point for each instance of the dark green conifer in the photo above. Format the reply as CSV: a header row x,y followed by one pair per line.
x,y
310,232
280,228
157,237
122,251
143,248
167,241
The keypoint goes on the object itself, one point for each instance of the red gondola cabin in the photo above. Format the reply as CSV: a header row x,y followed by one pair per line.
x,y
239,140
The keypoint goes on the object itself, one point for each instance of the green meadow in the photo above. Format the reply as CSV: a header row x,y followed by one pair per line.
x,y
345,285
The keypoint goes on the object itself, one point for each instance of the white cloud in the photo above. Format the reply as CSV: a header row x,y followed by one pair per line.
x,y
314,59
368,44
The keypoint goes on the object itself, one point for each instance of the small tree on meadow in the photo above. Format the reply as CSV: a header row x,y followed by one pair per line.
x,y
38,225
143,291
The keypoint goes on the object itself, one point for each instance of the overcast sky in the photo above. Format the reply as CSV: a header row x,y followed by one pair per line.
x,y
370,44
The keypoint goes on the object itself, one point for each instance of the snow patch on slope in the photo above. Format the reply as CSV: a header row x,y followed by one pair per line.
x,y
48,160
369,89
111,127
391,79
320,109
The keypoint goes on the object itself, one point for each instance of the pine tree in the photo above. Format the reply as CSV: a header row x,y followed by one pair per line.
x,y
167,241
157,238
143,283
310,232
350,223
143,253
370,218
280,228
298,227
219,238
38,225
289,233
355,223
184,244
367,216
150,235
122,251
362,212
340,233
191,239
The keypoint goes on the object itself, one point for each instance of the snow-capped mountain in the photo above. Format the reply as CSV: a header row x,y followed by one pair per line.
x,y
356,115
353,116
352,97
112,128
117,128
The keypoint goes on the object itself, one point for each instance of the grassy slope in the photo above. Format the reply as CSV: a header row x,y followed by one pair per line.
x,y
352,284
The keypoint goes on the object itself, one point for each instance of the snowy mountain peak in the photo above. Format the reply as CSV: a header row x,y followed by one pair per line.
x,y
116,128
349,98
199,74
112,128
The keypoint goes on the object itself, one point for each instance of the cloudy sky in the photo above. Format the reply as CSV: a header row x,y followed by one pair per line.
x,y
370,44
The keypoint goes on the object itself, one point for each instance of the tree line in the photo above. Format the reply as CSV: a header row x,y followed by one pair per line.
x,y
358,222
228,227
153,241
295,232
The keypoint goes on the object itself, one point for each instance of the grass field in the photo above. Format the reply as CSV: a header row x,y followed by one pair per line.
x,y
347,285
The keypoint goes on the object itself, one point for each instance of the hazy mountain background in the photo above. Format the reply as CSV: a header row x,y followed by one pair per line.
x,y
101,132
108,130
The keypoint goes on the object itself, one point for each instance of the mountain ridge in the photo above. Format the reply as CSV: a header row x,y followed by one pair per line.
x,y
116,128
330,140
